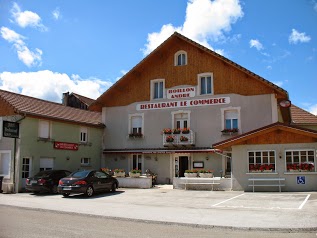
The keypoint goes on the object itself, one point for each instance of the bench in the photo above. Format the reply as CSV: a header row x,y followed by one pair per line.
x,y
266,182
201,181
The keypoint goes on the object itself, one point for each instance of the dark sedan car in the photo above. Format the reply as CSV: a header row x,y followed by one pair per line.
x,y
45,181
87,182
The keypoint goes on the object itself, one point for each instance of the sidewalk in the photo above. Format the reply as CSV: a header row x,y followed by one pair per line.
x,y
234,210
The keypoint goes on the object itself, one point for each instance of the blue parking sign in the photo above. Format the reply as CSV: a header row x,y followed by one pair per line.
x,y
301,180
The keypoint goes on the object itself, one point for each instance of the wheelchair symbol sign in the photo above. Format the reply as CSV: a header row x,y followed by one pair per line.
x,y
301,180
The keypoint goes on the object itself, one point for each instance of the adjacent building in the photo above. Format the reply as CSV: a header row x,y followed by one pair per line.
x,y
40,135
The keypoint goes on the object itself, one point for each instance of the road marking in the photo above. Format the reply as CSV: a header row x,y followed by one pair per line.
x,y
227,200
303,203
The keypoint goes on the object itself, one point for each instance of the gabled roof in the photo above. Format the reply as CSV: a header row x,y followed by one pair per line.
x,y
265,132
98,104
300,116
83,99
30,106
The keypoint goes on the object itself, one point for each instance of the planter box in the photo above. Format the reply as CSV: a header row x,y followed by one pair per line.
x,y
136,175
206,175
268,171
190,175
119,174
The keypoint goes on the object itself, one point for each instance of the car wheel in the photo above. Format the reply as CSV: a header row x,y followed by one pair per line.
x,y
54,189
113,187
89,191
65,195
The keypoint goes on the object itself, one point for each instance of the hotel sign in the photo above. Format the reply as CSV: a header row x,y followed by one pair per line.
x,y
65,146
187,92
183,103
10,129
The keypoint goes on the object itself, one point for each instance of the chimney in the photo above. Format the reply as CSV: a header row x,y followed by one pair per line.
x,y
65,99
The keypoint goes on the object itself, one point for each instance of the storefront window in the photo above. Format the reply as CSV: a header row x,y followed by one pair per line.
x,y
261,161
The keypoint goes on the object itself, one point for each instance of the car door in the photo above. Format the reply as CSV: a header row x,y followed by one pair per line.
x,y
104,180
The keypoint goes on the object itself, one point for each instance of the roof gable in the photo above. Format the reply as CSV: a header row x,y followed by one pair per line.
x,y
25,105
277,133
230,77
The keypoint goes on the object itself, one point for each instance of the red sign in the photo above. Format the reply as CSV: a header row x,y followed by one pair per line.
x,y
65,146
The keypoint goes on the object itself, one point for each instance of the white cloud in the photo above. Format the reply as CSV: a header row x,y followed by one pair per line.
x,y
27,18
313,109
56,14
278,83
256,44
297,37
205,21
28,57
50,85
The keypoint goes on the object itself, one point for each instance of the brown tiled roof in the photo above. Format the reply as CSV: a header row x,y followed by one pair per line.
x,y
300,116
84,99
45,109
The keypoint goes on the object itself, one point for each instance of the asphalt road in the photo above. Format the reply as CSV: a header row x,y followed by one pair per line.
x,y
16,222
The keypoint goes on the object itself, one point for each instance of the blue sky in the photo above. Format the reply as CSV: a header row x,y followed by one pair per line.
x,y
51,47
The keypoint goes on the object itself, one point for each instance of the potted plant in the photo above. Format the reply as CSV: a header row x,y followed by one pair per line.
x,y
254,168
135,135
191,173
119,173
135,173
167,131
229,131
185,131
169,139
293,167
308,166
176,131
183,138
205,173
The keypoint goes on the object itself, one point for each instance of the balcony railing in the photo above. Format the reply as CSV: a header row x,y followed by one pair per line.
x,y
180,139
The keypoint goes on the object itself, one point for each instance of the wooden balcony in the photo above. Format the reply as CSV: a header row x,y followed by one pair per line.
x,y
180,139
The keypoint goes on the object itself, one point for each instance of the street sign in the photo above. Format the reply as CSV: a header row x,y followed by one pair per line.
x,y
10,129
301,180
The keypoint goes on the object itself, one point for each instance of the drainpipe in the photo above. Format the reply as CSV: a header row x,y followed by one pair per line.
x,y
15,173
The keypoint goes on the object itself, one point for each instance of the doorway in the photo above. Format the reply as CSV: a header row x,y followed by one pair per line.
x,y
183,165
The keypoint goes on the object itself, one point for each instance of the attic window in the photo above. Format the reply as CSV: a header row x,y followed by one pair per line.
x,y
180,58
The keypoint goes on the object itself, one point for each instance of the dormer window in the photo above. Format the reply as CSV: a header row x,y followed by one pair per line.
x,y
180,58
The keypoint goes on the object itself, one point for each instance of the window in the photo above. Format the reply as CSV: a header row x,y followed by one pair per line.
x,y
157,88
1,126
261,161
136,125
300,160
85,161
46,164
5,163
205,83
181,119
44,129
230,119
180,58
26,167
137,162
83,134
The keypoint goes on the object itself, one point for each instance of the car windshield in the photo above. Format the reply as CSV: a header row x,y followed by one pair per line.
x,y
80,174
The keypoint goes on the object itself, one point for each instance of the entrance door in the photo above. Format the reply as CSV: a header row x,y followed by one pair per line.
x,y
26,170
183,165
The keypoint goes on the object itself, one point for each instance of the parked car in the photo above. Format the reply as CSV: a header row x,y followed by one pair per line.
x,y
45,181
87,182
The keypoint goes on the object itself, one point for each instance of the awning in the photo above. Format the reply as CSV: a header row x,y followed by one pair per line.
x,y
159,151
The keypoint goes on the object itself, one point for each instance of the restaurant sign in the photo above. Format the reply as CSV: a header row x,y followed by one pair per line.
x,y
10,129
183,103
187,92
65,146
